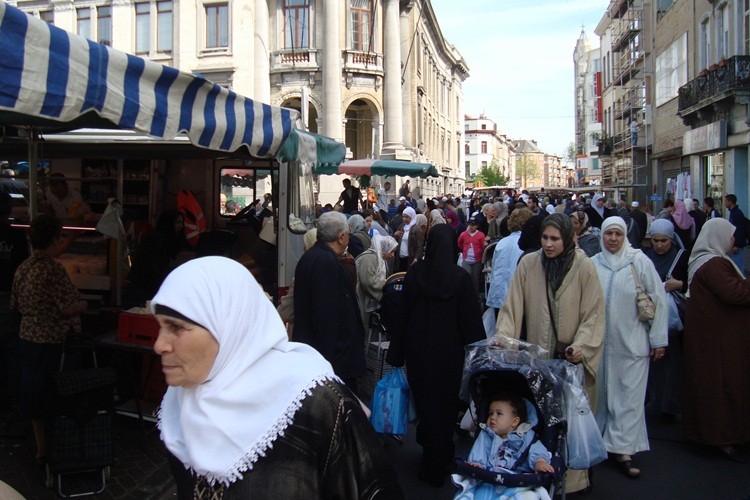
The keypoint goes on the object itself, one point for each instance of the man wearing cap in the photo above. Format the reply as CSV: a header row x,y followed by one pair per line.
x,y
59,199
639,217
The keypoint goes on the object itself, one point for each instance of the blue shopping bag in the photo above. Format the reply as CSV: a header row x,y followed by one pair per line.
x,y
390,403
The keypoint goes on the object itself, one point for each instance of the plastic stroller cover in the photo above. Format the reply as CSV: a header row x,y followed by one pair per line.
x,y
545,377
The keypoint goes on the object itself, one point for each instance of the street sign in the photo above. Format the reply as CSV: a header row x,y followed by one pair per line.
x,y
656,197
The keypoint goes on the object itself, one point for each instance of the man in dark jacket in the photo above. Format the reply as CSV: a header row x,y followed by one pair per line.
x,y
639,217
14,249
737,218
326,313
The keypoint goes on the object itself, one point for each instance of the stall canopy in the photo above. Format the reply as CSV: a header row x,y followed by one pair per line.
x,y
55,81
369,167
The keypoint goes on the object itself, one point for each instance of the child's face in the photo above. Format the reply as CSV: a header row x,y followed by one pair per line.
x,y
502,420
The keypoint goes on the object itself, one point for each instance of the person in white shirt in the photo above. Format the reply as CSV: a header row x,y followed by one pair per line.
x,y
383,195
59,198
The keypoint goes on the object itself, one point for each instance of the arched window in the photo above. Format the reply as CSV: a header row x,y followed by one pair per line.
x,y
361,24
467,149
296,24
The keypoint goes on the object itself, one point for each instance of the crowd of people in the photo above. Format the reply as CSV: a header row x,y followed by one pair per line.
x,y
635,299
566,274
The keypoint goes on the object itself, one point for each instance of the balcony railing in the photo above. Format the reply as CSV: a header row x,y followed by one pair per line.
x,y
720,81
288,58
355,60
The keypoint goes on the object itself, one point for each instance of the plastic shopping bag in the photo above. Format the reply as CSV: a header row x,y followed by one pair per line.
x,y
110,224
676,303
390,403
585,444
488,320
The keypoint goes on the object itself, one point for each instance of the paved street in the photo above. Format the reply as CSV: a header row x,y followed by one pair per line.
x,y
673,468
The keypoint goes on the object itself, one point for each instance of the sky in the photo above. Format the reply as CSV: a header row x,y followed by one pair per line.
x,y
520,58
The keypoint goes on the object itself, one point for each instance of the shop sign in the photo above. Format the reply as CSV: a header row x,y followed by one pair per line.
x,y
706,138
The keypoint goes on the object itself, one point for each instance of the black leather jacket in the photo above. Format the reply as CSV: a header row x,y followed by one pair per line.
x,y
330,451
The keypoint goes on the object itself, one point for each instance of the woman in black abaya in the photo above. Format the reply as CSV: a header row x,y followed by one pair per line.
x,y
441,316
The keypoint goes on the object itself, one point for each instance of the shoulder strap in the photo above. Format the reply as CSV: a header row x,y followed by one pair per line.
x,y
674,262
549,306
637,279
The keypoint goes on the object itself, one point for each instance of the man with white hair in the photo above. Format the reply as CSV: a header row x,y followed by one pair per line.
x,y
326,313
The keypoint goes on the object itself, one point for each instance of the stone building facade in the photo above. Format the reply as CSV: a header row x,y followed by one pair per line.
x,y
375,74
484,144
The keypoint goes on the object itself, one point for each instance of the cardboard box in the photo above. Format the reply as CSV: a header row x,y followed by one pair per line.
x,y
136,328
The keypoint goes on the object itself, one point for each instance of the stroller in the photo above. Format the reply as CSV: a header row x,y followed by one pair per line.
x,y
514,371
487,255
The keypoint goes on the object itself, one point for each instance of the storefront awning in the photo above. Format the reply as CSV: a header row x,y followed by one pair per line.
x,y
55,81
371,167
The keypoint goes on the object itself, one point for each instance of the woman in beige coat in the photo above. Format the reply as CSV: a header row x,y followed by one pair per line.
x,y
562,277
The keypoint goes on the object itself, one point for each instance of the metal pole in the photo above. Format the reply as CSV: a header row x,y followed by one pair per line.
x,y
32,149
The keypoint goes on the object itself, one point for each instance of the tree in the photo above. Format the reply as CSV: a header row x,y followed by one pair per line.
x,y
491,175
571,153
526,168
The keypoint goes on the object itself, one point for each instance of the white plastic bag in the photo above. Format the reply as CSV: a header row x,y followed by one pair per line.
x,y
585,444
110,224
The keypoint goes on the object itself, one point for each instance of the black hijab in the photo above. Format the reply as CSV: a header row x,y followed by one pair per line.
x,y
557,268
434,275
531,234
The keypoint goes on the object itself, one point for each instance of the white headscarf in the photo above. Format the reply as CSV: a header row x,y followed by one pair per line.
x,y
550,209
411,213
599,210
436,217
626,252
381,245
713,241
221,427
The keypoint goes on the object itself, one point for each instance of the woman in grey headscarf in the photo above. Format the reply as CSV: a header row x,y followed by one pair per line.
x,y
372,270
359,240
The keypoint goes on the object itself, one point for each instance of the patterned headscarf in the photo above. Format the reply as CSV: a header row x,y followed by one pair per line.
x,y
557,268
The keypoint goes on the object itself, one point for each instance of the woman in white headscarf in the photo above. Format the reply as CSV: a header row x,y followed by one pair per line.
x,y
597,212
717,372
372,271
628,343
436,217
236,418
410,238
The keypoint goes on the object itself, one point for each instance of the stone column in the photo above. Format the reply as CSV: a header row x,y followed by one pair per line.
x,y
261,55
393,143
332,115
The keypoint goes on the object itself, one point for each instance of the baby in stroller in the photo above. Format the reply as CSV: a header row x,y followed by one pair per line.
x,y
507,443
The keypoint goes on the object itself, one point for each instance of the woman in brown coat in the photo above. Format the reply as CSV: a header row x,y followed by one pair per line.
x,y
717,374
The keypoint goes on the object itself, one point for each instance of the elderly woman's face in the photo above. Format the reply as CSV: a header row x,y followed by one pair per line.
x,y
187,351
613,239
407,219
661,243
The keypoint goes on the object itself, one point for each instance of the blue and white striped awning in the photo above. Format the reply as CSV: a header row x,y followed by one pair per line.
x,y
52,77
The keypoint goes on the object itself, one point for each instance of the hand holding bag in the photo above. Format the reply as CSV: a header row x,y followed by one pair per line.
x,y
390,403
646,307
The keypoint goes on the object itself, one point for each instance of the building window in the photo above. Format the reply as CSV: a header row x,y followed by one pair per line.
x,y
361,19
705,43
83,21
484,147
217,26
484,126
47,16
484,164
142,28
722,32
296,24
164,28
104,25
467,169
671,70
467,149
